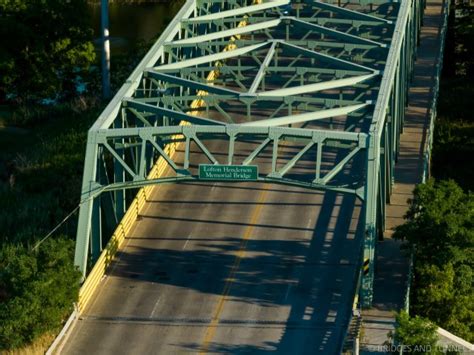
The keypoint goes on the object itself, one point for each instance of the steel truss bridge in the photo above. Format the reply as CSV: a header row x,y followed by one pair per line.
x,y
326,80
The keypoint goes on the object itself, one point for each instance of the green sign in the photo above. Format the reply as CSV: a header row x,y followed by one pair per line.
x,y
228,172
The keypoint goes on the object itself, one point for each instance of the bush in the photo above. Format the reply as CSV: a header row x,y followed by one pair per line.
x,y
37,290
440,232
415,335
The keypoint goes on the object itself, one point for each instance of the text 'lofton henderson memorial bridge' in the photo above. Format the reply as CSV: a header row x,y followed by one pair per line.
x,y
304,99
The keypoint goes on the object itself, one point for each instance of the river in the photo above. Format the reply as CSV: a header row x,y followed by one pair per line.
x,y
132,22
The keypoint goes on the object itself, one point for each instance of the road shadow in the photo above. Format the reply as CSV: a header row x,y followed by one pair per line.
x,y
312,276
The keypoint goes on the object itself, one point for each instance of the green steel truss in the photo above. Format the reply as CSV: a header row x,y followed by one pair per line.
x,y
312,92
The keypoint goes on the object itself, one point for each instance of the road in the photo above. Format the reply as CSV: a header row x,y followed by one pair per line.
x,y
228,268
232,267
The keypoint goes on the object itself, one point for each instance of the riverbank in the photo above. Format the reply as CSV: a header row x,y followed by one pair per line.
x,y
131,22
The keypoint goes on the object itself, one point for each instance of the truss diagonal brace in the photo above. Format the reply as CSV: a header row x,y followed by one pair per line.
x,y
229,33
170,113
163,153
356,15
256,152
294,160
340,63
304,117
338,34
119,159
239,11
263,68
340,165
311,88
206,152
190,83
211,58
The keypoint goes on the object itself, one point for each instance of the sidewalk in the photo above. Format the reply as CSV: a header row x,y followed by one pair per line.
x,y
391,268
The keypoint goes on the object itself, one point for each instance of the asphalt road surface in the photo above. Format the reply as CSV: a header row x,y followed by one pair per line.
x,y
231,268
228,268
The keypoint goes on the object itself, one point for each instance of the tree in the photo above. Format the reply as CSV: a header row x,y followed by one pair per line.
x,y
415,335
463,38
440,224
37,290
440,232
45,46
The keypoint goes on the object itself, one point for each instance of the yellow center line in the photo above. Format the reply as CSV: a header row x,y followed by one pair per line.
x,y
212,328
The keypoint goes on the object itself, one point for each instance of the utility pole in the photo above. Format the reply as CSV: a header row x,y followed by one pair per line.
x,y
105,49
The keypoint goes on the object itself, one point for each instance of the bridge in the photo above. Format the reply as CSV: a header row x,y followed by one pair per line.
x,y
236,185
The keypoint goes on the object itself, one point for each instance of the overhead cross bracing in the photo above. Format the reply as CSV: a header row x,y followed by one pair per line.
x,y
312,92
280,70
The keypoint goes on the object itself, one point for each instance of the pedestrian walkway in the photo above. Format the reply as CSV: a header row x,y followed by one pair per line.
x,y
391,265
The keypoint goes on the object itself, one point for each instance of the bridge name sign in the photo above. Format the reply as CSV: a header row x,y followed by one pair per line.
x,y
228,172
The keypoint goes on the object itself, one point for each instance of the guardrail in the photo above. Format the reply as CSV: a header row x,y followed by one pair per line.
x,y
68,326
123,228
98,271
133,211
355,311
429,142
434,104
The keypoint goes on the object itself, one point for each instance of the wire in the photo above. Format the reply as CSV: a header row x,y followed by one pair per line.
x,y
56,228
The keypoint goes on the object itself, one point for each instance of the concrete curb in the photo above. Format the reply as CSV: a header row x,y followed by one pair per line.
x,y
69,325
451,340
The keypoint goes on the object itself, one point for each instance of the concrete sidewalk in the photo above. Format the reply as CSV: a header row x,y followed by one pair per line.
x,y
391,265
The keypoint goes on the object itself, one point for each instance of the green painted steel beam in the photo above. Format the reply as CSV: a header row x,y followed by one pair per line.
x,y
338,168
230,33
310,43
110,113
321,86
339,63
191,84
210,58
398,59
128,102
305,117
317,64
390,68
261,72
262,179
347,12
295,100
345,21
347,38
238,11
359,137
323,21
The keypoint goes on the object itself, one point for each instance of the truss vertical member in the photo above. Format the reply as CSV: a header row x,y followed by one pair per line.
x,y
330,81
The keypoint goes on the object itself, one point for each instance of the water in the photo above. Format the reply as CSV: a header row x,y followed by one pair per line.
x,y
133,22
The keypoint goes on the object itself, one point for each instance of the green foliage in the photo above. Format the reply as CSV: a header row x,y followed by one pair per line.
x,y
440,231
440,223
417,335
453,146
464,32
43,182
45,45
37,290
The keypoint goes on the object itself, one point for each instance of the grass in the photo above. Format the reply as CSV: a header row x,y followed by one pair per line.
x,y
38,347
42,152
41,162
